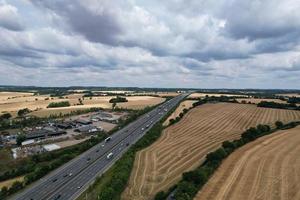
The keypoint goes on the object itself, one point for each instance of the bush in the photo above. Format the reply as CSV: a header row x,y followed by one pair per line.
x,y
20,138
5,116
279,124
160,196
118,99
59,104
23,112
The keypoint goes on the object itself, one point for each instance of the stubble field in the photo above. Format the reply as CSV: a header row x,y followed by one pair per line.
x,y
183,146
256,101
267,168
183,105
12,102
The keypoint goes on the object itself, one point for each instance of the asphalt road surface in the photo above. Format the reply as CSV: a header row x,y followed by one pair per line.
x,y
73,178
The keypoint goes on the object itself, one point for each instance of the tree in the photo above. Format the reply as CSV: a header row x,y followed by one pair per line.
x,y
279,124
198,177
217,155
23,112
20,138
228,146
5,116
118,99
160,196
16,186
4,191
187,188
263,128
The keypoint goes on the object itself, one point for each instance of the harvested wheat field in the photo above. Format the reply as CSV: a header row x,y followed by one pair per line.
x,y
185,104
267,168
12,102
140,102
184,145
256,101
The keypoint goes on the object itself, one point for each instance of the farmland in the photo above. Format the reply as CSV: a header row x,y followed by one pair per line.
x,y
264,169
184,145
183,105
12,102
202,95
256,101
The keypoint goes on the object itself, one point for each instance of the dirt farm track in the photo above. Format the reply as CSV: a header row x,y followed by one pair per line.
x,y
184,145
267,168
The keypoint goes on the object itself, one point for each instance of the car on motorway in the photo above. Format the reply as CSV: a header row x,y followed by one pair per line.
x,y
78,187
110,155
127,144
142,129
108,139
54,180
88,159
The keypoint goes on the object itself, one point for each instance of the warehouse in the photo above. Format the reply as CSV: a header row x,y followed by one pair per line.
x,y
88,129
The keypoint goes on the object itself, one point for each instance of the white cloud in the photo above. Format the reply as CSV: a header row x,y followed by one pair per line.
x,y
9,17
172,43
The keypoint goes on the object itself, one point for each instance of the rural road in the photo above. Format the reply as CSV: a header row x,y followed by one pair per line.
x,y
73,178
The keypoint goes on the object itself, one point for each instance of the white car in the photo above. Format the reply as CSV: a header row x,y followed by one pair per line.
x,y
109,156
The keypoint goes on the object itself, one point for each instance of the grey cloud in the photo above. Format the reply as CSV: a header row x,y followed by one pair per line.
x,y
97,26
261,19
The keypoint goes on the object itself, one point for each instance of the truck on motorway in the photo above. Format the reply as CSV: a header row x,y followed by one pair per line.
x,y
110,155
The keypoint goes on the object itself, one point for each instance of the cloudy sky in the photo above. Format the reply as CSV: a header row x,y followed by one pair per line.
x,y
171,43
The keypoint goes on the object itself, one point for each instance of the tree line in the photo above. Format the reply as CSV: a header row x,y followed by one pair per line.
x,y
272,104
118,99
59,104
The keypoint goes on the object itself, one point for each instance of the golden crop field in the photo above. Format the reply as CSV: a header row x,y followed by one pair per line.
x,y
184,145
267,168
139,102
12,102
185,104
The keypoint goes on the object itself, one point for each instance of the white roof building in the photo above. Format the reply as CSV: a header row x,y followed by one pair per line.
x,y
27,142
51,147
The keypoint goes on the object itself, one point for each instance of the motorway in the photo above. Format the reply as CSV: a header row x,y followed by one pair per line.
x,y
73,178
